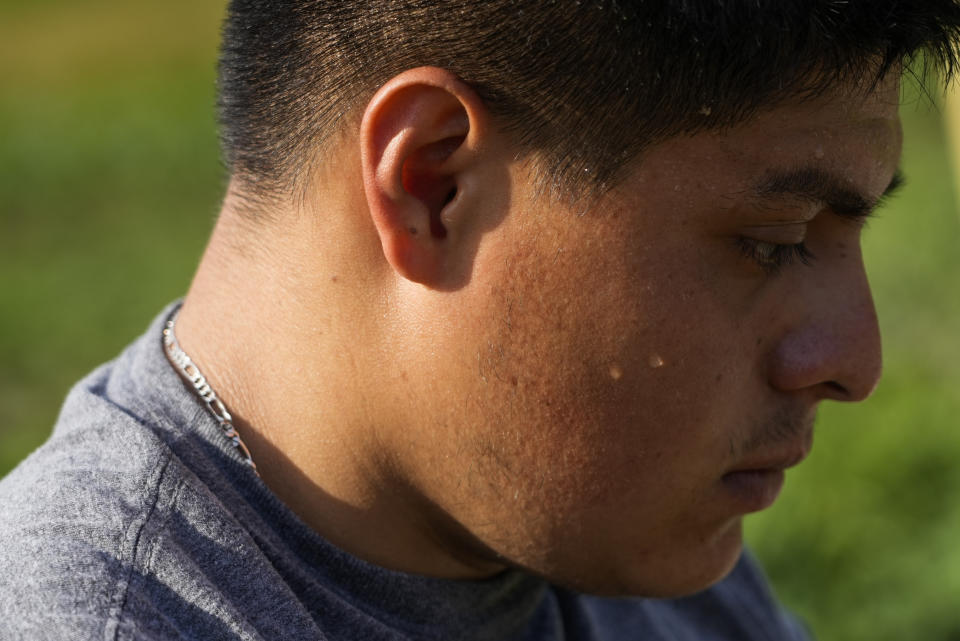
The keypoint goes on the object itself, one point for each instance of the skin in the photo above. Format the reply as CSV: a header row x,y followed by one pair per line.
x,y
595,394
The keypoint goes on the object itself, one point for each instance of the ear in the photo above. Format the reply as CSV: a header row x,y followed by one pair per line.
x,y
421,137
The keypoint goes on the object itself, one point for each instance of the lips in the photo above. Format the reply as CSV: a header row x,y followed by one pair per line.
x,y
774,461
753,490
755,484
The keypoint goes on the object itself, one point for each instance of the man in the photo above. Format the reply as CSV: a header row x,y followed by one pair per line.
x,y
511,308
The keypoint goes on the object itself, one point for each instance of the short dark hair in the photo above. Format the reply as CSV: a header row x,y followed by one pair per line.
x,y
586,84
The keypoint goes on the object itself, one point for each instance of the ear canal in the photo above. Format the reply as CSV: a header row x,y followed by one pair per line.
x,y
426,178
437,230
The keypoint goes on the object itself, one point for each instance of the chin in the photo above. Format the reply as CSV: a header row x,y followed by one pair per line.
x,y
697,581
671,574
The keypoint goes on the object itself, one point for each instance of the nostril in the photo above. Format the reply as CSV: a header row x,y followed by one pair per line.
x,y
838,390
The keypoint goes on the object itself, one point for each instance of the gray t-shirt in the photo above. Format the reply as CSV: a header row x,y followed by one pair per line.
x,y
137,520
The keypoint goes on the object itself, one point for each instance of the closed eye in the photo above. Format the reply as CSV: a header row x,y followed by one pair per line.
x,y
773,257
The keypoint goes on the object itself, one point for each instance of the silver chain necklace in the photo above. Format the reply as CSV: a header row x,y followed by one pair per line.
x,y
192,373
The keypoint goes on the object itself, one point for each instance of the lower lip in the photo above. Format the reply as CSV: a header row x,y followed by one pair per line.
x,y
754,490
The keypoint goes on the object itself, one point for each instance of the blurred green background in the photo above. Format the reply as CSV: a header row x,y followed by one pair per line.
x,y
109,182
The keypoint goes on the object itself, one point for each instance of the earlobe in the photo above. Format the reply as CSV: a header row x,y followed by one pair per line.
x,y
420,137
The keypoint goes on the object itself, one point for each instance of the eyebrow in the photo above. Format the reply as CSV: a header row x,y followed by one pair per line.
x,y
817,185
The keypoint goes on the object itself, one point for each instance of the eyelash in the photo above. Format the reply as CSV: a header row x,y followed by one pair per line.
x,y
772,257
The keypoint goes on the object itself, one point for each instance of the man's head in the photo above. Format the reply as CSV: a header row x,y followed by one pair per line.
x,y
594,389
587,85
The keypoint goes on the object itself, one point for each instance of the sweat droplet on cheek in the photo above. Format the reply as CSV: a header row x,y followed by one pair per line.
x,y
616,371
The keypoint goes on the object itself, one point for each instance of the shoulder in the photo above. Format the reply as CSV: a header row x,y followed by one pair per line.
x,y
742,607
72,515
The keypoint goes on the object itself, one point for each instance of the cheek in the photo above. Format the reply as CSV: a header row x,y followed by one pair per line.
x,y
592,372
601,478
599,417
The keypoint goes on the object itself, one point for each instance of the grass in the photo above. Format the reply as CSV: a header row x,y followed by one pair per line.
x,y
109,180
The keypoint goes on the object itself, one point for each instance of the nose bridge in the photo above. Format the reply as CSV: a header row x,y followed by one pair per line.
x,y
835,349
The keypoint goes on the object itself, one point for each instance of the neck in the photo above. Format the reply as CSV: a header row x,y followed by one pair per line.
x,y
315,415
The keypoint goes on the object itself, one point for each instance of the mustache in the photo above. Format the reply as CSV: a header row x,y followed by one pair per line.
x,y
786,426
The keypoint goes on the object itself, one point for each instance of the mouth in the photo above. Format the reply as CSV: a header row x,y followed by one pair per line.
x,y
753,490
756,484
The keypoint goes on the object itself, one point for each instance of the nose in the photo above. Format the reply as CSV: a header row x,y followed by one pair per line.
x,y
832,349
